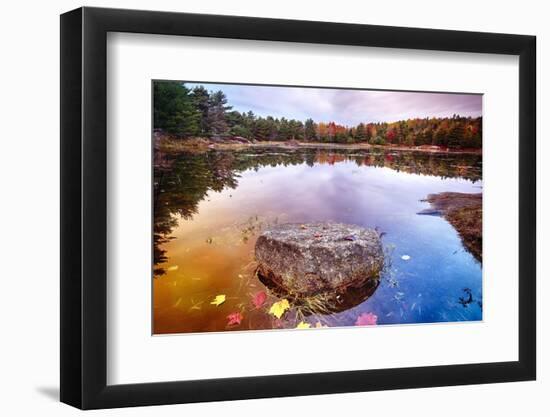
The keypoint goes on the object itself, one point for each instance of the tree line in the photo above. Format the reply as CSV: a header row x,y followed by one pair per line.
x,y
197,112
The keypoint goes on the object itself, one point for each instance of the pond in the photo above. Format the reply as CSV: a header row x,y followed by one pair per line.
x,y
210,207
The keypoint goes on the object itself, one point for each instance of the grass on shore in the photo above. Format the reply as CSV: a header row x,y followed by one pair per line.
x,y
173,145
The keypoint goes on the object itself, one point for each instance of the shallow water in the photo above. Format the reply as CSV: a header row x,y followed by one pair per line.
x,y
210,208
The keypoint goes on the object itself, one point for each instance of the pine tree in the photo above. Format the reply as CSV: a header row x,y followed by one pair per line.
x,y
215,119
174,111
361,133
262,129
456,135
310,130
200,98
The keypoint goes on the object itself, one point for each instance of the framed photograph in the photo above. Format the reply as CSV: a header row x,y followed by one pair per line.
x,y
256,208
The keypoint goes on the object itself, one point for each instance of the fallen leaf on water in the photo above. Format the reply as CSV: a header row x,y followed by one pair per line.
x,y
279,308
405,257
319,325
172,268
303,325
219,299
259,299
366,319
234,318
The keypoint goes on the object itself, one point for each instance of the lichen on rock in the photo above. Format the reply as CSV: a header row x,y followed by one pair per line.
x,y
309,259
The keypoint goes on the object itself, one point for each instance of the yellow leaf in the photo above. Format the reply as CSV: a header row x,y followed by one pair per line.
x,y
172,268
279,308
220,299
303,325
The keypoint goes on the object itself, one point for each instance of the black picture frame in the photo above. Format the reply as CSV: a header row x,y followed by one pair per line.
x,y
84,207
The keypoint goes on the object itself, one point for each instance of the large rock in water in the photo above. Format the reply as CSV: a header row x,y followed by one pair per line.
x,y
308,259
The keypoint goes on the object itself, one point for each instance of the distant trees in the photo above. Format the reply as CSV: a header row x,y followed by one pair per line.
x,y
452,132
310,130
200,113
361,133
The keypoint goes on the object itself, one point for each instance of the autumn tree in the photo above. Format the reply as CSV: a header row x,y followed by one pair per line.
x,y
199,112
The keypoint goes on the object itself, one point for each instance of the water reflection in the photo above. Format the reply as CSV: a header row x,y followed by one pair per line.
x,y
209,208
326,303
182,180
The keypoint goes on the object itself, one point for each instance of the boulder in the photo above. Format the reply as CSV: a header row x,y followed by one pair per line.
x,y
308,259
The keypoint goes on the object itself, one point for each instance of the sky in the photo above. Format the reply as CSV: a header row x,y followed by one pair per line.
x,y
346,107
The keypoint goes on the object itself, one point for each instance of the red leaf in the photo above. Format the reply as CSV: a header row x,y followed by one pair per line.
x,y
366,319
259,299
234,318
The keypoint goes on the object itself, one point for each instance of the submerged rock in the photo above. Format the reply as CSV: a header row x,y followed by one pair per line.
x,y
310,259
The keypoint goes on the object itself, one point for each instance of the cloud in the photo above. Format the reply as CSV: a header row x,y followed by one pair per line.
x,y
347,107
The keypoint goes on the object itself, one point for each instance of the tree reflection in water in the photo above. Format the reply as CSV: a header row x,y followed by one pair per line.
x,y
184,179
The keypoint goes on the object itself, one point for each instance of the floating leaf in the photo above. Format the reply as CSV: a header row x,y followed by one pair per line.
x,y
172,268
405,257
319,325
303,325
366,319
234,318
279,308
259,299
219,299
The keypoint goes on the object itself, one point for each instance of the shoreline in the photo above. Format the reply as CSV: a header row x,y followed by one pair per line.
x,y
464,211
167,145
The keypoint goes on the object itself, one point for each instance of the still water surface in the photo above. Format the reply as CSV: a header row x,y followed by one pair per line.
x,y
210,208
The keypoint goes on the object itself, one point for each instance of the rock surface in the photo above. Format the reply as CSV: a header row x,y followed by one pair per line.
x,y
308,259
